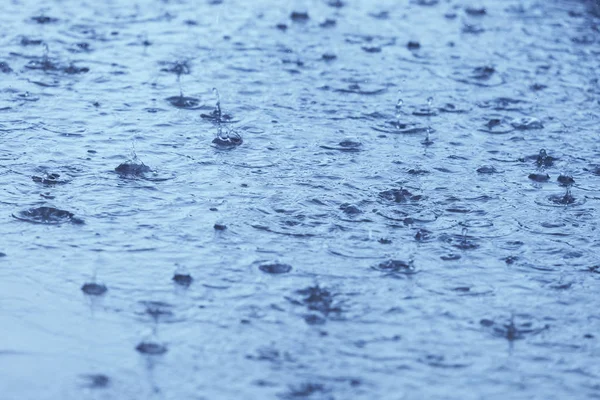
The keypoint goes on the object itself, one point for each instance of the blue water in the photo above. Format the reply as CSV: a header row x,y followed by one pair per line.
x,y
367,215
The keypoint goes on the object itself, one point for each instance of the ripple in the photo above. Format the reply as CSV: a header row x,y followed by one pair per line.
x,y
48,216
184,102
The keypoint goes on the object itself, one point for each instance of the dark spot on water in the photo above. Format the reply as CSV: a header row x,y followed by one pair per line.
x,y
565,199
178,67
398,195
328,23
219,227
565,180
314,319
49,179
473,29
43,64
350,209
306,391
422,235
217,116
350,144
47,215
132,168
539,177
73,70
5,68
25,41
42,19
588,336
413,45
536,87
475,11
502,104
183,279
328,56
451,108
372,49
151,348
385,241
527,123
275,268
498,125
382,15
416,171
336,3
510,260
487,169
319,299
282,27
511,331
2,254
299,16
188,103
94,289
486,322
83,46
346,145
483,73
396,267
157,309
543,159
96,381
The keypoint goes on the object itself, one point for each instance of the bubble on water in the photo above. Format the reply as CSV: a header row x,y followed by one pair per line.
x,y
182,279
565,180
539,177
396,267
487,169
184,102
133,168
275,268
94,289
47,215
151,348
227,139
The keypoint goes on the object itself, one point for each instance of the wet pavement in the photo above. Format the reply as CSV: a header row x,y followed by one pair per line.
x,y
310,200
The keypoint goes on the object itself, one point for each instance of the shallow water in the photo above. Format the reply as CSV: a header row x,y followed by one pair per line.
x,y
382,229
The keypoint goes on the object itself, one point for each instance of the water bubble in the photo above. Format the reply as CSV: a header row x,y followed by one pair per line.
x,y
183,279
47,215
94,289
151,348
543,159
227,139
565,180
275,268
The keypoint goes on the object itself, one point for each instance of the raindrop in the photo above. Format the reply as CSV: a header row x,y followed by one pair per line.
x,y
183,279
94,289
151,348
